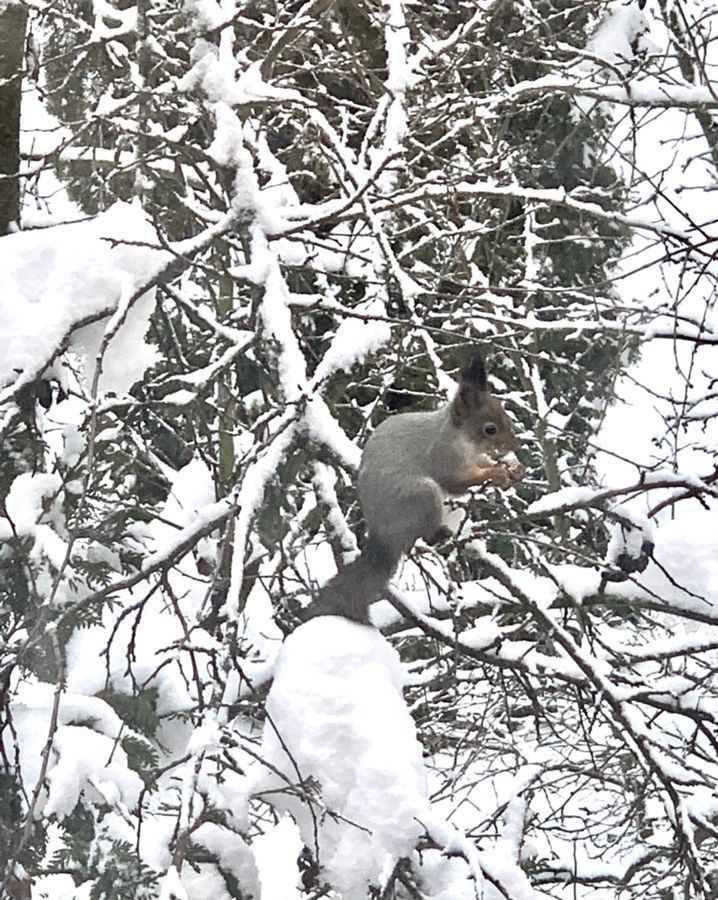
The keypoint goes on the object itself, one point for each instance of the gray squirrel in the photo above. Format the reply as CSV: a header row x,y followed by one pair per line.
x,y
410,465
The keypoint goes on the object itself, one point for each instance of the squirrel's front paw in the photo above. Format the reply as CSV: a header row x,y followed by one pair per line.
x,y
516,471
505,475
500,477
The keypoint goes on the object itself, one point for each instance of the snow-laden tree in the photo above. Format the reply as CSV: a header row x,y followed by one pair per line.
x,y
12,44
248,233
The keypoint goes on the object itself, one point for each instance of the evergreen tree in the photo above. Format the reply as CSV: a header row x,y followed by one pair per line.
x,y
351,197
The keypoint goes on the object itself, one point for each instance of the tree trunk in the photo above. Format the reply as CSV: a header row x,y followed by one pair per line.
x,y
13,20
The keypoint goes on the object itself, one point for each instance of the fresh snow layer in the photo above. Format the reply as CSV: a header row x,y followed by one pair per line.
x,y
336,715
54,280
87,762
276,853
26,501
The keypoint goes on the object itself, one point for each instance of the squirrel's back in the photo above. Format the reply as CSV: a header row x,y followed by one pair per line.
x,y
398,484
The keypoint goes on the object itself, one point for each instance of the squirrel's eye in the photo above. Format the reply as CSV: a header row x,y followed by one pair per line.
x,y
490,428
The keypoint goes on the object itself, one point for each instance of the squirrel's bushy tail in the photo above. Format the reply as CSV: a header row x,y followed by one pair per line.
x,y
357,585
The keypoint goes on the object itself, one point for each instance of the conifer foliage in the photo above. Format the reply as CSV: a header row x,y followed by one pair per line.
x,y
239,235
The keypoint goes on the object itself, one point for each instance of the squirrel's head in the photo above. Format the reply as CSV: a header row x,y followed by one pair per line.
x,y
479,415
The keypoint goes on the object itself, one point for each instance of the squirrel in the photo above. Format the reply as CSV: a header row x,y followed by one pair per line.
x,y
411,463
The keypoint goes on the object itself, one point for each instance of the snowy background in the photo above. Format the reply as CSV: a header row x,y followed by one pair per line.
x,y
244,234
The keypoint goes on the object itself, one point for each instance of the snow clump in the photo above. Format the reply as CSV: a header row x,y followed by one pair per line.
x,y
339,732
55,280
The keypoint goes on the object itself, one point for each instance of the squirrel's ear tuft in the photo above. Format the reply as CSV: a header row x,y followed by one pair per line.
x,y
474,372
472,392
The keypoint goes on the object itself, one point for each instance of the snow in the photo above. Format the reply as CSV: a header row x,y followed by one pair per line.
x,y
276,318
26,502
399,77
578,582
336,714
234,853
614,38
191,493
217,75
87,761
199,522
227,147
324,482
560,499
128,355
125,22
482,635
276,853
207,13
446,879
51,546
355,340
338,729
64,276
91,766
687,548
41,135
171,887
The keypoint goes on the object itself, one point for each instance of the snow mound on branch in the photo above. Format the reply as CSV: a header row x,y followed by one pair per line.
x,y
25,502
615,37
336,715
276,853
87,761
54,280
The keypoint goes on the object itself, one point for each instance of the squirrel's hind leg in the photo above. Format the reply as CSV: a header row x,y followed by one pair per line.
x,y
426,501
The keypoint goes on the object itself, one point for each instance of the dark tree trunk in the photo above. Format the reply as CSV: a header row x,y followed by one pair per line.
x,y
12,44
